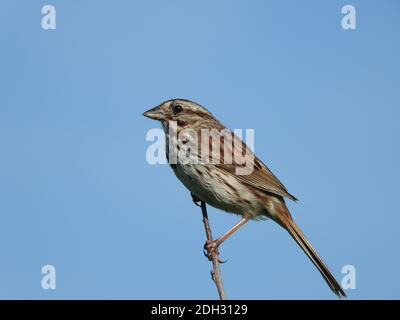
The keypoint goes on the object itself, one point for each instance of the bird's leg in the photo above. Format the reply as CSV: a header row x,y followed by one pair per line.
x,y
231,231
195,200
211,246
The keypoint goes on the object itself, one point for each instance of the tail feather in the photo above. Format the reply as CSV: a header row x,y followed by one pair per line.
x,y
306,246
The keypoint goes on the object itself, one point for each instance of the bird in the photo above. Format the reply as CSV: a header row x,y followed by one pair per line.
x,y
224,179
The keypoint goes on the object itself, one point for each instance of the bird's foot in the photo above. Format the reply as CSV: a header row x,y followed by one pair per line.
x,y
210,249
195,200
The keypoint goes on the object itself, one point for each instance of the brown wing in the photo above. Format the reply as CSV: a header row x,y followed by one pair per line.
x,y
260,177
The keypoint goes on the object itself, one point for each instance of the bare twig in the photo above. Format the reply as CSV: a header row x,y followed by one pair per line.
x,y
214,255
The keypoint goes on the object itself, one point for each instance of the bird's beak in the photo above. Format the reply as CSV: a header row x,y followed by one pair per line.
x,y
155,114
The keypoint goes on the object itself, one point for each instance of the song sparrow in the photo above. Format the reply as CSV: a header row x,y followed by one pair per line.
x,y
252,194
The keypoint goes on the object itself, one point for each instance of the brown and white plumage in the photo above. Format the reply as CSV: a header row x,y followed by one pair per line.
x,y
255,195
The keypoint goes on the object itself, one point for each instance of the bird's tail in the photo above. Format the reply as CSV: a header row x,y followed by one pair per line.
x,y
287,222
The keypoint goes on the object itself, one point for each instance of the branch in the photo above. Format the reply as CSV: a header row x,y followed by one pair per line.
x,y
214,255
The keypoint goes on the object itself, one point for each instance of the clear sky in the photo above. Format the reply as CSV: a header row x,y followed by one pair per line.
x,y
76,191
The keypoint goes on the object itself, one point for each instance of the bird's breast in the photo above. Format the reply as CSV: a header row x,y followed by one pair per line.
x,y
218,189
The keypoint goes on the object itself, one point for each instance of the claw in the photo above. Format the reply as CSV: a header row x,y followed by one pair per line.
x,y
195,200
209,248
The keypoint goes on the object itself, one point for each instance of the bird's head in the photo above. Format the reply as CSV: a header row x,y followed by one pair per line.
x,y
184,112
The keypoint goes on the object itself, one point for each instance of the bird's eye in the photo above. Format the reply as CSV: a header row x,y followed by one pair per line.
x,y
177,108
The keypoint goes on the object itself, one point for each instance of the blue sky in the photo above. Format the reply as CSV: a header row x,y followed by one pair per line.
x,y
76,191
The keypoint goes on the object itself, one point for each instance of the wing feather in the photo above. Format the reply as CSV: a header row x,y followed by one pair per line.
x,y
260,178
